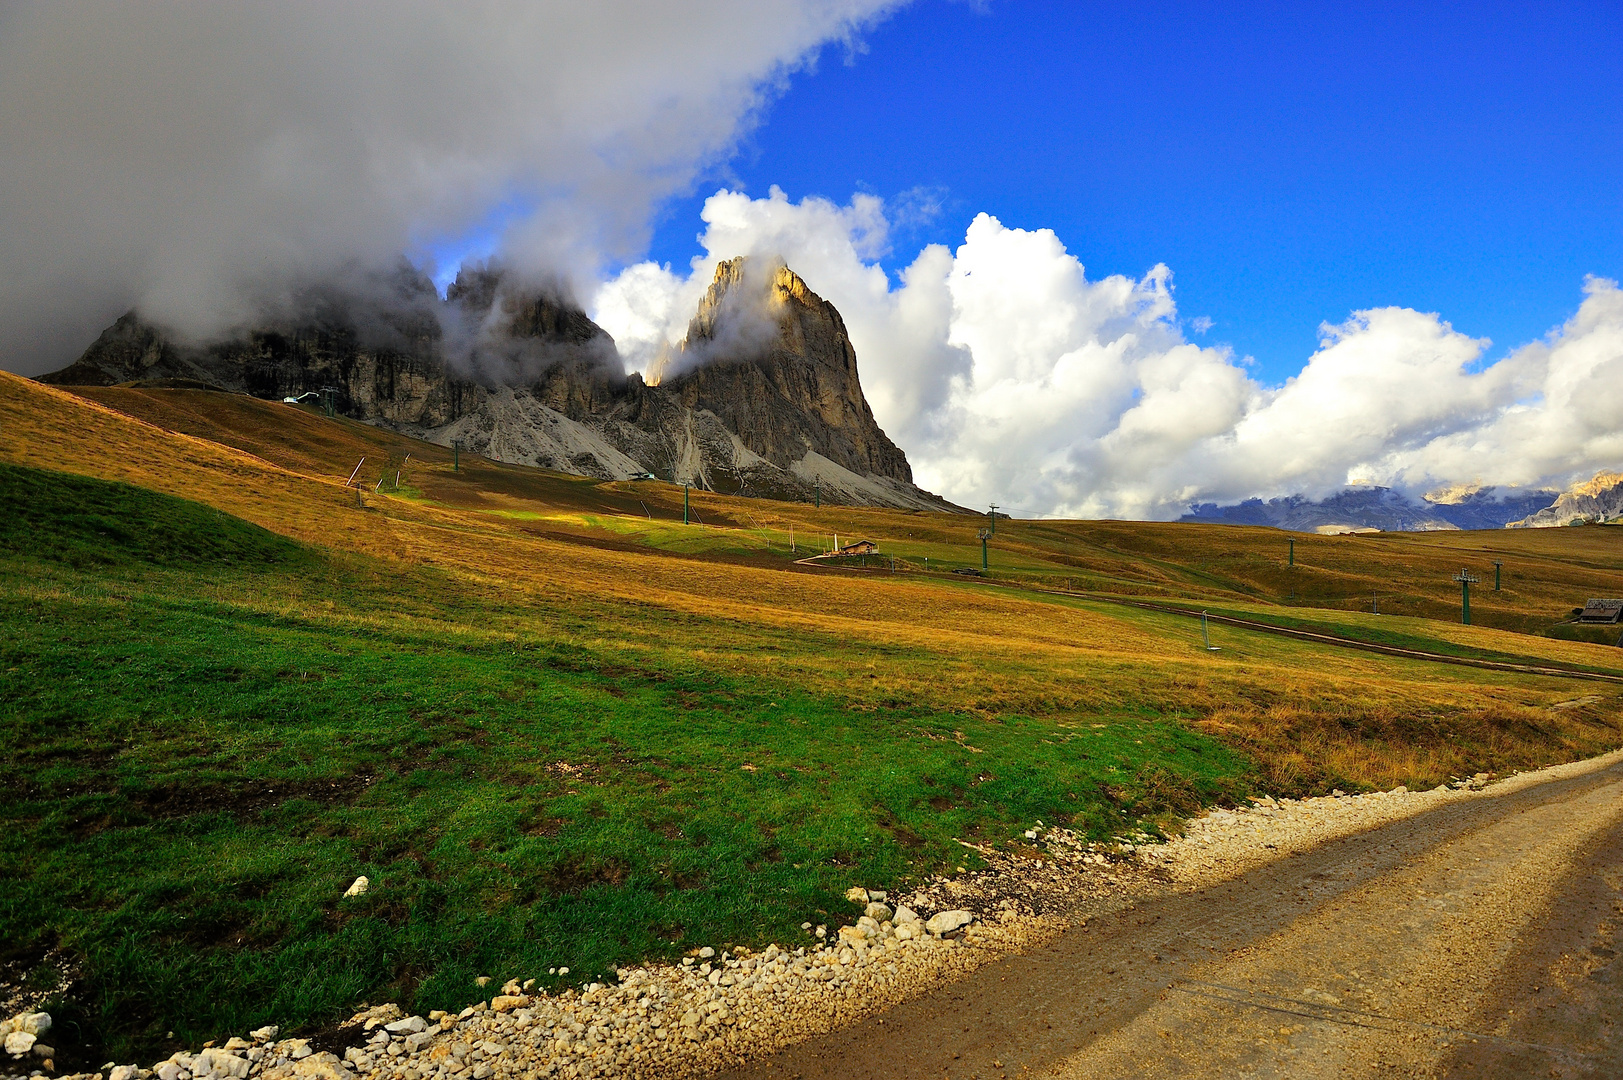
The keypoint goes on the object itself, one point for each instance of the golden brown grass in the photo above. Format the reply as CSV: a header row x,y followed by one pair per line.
x,y
609,565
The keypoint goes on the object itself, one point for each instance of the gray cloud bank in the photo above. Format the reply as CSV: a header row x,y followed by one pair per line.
x,y
205,162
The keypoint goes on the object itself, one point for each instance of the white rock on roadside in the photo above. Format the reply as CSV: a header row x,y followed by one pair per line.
x,y
19,1043
221,1063
857,895
322,1066
945,922
35,1023
359,887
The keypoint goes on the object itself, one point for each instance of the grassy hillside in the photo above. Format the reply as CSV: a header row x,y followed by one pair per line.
x,y
555,726
1545,572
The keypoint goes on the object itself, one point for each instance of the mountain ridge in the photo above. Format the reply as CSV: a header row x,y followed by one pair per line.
x,y
1383,508
1596,500
765,398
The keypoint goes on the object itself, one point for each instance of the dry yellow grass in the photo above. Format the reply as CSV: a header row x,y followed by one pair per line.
x,y
604,564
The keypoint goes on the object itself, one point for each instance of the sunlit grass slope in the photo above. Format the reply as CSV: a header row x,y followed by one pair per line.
x,y
556,726
1544,572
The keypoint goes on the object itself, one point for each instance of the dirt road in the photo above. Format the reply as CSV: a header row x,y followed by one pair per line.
x,y
1478,939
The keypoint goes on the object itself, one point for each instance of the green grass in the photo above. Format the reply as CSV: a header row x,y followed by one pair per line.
x,y
84,522
210,731
1412,633
1592,635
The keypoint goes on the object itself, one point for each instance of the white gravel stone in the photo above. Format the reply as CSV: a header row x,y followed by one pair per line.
x,y
945,922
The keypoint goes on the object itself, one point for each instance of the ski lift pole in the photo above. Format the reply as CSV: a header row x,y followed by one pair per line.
x,y
1466,580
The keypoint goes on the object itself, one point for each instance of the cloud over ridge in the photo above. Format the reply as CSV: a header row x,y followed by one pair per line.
x,y
1008,375
206,162
199,160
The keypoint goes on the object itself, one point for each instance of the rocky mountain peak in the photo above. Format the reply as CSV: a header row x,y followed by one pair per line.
x,y
543,310
774,362
1596,500
762,397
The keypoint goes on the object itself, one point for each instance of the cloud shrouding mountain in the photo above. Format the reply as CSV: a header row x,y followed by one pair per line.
x,y
1008,375
200,160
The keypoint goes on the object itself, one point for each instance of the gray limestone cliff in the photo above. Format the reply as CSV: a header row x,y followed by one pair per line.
x,y
762,398
772,360
1594,501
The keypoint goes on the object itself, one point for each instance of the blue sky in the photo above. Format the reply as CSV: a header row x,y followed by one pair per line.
x,y
1290,163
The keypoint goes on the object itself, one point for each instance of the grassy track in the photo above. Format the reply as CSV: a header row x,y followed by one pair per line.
x,y
557,728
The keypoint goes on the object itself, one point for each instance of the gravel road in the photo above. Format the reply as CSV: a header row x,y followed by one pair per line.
x,y
1475,938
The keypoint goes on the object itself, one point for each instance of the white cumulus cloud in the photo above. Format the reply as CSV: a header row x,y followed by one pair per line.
x,y
197,159
1008,375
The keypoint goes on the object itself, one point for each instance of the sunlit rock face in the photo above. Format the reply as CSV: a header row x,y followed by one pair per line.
x,y
772,360
1596,500
761,398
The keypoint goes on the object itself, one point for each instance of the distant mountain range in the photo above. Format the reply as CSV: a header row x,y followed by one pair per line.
x,y
1379,508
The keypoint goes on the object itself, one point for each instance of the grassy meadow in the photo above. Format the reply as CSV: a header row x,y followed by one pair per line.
x,y
557,727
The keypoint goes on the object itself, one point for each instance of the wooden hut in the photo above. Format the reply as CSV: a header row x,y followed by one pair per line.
x,y
1602,612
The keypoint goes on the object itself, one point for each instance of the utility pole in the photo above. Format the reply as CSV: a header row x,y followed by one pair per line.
x,y
1496,565
456,456
1466,580
993,513
684,504
1292,561
982,536
817,494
